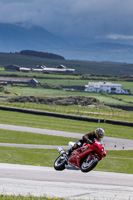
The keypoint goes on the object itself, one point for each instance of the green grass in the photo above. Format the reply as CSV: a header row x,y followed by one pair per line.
x,y
53,123
28,197
126,98
100,111
24,156
8,136
62,93
81,82
103,112
44,76
115,161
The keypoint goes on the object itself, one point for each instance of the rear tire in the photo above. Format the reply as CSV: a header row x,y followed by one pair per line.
x,y
87,166
59,163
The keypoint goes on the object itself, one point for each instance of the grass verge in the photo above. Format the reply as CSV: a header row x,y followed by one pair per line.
x,y
103,112
115,161
24,156
19,197
53,123
17,137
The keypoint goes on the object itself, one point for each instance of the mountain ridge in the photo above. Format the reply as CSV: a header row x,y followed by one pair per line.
x,y
14,38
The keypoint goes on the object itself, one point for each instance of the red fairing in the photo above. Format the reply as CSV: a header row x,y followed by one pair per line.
x,y
96,150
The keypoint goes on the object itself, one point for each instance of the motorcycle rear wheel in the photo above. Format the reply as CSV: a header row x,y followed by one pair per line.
x,y
59,163
87,166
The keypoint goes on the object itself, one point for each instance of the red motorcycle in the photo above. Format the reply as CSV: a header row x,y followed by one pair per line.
x,y
84,158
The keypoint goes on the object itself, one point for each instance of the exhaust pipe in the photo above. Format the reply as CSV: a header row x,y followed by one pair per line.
x,y
60,150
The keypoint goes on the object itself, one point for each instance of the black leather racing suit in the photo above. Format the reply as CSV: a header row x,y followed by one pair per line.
x,y
89,136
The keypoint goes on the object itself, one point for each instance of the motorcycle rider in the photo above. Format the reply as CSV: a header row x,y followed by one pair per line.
x,y
98,134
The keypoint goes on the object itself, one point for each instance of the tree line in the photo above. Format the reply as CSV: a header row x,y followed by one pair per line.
x,y
41,54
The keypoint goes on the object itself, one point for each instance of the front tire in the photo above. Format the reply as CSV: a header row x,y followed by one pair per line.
x,y
87,166
59,163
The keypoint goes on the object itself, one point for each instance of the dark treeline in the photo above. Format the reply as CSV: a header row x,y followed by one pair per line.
x,y
41,54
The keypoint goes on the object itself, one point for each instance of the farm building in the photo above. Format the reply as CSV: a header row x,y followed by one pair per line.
x,y
59,69
12,68
107,87
40,68
13,81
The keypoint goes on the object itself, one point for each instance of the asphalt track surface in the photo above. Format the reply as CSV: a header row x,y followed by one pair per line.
x,y
109,142
39,181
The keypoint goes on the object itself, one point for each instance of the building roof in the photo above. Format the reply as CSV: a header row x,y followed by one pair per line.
x,y
61,67
99,84
11,79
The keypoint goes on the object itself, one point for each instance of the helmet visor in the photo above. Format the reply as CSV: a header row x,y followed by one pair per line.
x,y
100,135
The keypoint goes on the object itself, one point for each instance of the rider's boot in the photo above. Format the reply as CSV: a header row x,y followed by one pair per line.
x,y
76,145
69,152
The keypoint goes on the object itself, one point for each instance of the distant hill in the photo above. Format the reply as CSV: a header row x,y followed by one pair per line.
x,y
106,51
41,54
14,38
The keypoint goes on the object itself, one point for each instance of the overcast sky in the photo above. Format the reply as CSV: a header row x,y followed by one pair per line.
x,y
84,18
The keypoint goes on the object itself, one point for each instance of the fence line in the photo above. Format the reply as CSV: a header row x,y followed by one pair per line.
x,y
68,116
80,110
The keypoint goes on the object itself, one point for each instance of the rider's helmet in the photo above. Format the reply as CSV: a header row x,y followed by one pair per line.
x,y
99,132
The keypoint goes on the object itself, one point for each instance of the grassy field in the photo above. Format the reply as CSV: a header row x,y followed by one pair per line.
x,y
24,156
60,93
69,82
54,123
76,76
116,161
18,137
103,112
55,79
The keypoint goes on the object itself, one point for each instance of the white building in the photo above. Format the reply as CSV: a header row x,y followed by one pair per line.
x,y
59,69
107,87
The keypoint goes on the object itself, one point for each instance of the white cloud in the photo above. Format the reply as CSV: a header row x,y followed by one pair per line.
x,y
118,36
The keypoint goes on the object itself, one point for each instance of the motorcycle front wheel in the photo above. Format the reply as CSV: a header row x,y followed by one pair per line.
x,y
59,163
87,166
